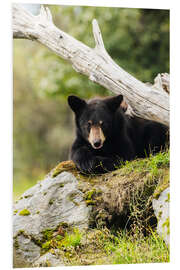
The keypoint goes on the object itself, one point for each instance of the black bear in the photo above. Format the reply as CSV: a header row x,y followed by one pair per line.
x,y
106,136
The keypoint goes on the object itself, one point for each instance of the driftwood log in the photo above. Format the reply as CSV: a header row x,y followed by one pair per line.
x,y
146,101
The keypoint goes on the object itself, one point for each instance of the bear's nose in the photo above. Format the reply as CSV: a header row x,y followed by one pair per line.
x,y
97,143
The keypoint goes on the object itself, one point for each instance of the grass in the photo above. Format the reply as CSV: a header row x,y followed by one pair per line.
x,y
151,164
130,249
102,246
71,240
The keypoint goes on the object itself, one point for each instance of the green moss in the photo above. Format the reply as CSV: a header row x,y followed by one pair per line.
x,y
162,185
151,164
92,196
89,194
36,241
70,239
51,201
160,214
168,198
64,166
16,244
59,237
90,202
167,225
52,239
21,232
46,245
47,234
24,212
72,198
28,196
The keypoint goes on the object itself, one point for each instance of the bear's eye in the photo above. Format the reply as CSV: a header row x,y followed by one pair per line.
x,y
89,123
100,122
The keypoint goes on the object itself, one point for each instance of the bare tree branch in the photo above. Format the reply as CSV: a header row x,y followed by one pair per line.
x,y
162,81
147,102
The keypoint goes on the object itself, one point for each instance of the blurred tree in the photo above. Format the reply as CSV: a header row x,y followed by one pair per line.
x,y
42,126
137,39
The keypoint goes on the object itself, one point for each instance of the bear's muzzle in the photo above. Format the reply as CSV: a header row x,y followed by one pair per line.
x,y
96,137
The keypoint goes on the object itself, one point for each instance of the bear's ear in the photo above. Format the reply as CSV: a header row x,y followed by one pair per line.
x,y
114,102
76,104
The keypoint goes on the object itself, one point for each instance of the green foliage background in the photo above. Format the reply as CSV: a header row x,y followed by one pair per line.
x,y
137,39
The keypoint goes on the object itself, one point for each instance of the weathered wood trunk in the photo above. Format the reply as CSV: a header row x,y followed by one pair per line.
x,y
146,101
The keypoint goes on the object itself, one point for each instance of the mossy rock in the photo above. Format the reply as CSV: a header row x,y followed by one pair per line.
x,y
24,212
116,199
129,190
67,166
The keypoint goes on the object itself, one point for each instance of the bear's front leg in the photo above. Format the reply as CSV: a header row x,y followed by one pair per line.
x,y
89,163
106,164
83,158
97,165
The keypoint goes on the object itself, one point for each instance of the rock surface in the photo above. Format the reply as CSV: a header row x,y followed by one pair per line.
x,y
45,206
48,260
66,200
161,209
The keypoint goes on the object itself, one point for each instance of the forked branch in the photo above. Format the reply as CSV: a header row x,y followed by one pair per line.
x,y
146,101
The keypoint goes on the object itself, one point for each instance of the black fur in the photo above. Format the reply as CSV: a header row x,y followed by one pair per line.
x,y
126,137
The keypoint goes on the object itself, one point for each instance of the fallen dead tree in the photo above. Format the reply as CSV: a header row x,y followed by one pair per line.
x,y
149,102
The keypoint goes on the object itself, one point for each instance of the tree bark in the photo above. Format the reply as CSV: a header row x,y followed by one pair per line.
x,y
149,102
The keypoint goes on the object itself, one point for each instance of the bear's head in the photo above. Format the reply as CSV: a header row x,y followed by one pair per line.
x,y
94,118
